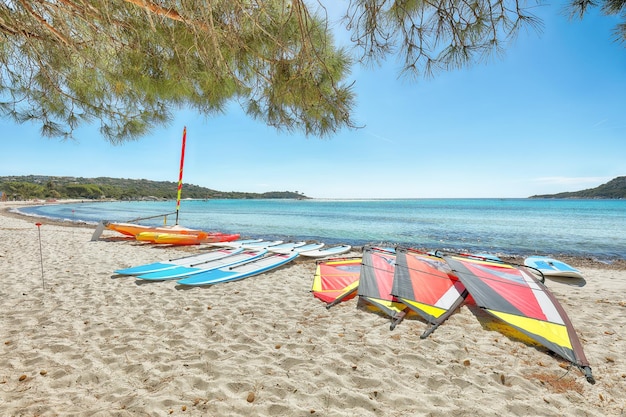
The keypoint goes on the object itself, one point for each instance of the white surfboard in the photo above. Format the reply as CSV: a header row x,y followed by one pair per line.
x,y
329,251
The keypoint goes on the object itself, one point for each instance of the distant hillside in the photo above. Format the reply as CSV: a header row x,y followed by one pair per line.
x,y
616,188
39,186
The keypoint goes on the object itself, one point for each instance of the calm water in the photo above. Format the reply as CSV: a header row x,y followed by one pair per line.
x,y
593,228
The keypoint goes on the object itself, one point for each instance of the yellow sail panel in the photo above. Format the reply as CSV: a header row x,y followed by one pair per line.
x,y
335,293
389,307
554,333
428,309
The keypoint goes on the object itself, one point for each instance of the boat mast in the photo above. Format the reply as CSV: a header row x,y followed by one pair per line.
x,y
180,174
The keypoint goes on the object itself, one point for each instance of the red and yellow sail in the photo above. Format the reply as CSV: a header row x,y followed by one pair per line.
x,y
427,285
514,295
336,280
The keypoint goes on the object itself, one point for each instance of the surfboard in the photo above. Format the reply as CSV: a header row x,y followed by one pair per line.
x,y
330,251
262,244
552,267
235,243
285,246
239,271
184,261
183,271
299,249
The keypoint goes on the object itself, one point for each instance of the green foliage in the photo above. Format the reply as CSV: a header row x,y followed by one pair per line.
x,y
616,188
23,189
90,191
131,64
442,35
578,8
33,186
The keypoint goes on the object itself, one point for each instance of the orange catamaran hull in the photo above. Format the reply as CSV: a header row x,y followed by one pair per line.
x,y
172,235
131,229
185,239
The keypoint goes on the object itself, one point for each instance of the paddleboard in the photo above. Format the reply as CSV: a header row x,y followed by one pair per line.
x,y
240,271
262,244
550,267
330,251
304,248
235,243
285,246
183,271
184,261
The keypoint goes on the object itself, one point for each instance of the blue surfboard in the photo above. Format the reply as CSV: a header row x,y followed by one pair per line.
x,y
184,261
240,271
552,267
183,271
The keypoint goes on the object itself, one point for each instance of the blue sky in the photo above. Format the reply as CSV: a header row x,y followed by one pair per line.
x,y
546,117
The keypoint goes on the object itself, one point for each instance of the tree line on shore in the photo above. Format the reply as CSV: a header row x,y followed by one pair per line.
x,y
614,189
50,187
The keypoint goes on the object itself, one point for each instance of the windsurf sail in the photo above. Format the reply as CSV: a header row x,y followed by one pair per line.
x,y
180,173
336,280
427,285
514,295
375,283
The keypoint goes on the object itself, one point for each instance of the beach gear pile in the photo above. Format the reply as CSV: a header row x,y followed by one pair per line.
x,y
397,282
234,260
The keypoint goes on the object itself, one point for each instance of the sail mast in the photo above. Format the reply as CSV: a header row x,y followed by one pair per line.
x,y
180,174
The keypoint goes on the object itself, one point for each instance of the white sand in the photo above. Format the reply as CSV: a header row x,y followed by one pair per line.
x,y
94,344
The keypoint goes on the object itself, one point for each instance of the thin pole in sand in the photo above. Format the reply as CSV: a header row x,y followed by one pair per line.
x,y
43,283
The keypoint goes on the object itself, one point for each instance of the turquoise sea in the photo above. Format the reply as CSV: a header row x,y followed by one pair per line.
x,y
588,228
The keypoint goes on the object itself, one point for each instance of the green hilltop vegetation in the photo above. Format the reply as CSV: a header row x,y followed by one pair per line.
x,y
614,189
48,187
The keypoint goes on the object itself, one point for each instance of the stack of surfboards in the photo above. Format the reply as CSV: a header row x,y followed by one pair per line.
x,y
312,250
221,265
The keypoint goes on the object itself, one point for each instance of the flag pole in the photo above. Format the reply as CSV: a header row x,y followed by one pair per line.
x,y
43,282
180,174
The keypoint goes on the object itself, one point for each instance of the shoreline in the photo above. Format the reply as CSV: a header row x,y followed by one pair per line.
x,y
79,340
575,261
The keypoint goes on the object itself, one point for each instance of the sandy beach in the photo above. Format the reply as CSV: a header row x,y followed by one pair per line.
x,y
77,340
